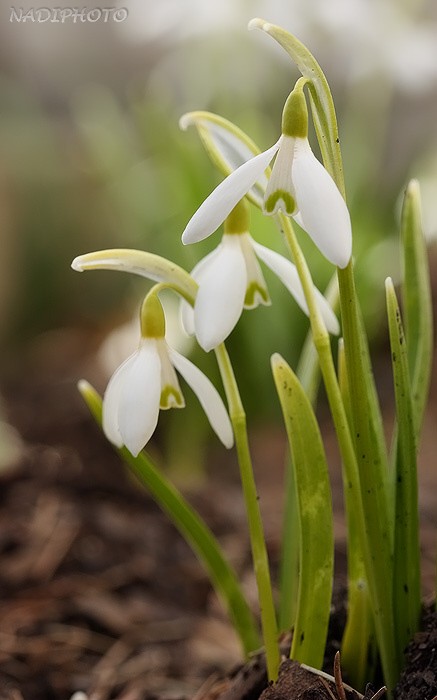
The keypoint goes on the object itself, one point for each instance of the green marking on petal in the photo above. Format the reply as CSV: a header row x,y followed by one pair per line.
x,y
254,289
285,198
171,398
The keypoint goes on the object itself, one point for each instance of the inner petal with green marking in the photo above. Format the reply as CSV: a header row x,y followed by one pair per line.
x,y
280,199
171,394
171,397
255,295
256,290
280,191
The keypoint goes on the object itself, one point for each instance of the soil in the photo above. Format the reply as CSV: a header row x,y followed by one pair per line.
x,y
100,594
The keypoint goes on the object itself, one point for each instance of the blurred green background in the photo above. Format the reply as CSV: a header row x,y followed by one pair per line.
x,y
91,155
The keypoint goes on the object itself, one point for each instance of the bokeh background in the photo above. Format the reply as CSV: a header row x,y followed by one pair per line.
x,y
91,157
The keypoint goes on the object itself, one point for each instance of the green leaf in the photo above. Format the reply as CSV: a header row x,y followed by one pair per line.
x,y
192,528
291,537
315,517
406,579
417,301
322,104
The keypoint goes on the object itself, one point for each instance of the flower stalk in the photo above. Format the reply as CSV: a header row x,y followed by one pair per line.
x,y
256,530
192,528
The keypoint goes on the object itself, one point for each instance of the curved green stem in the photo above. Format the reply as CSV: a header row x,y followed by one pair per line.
x,y
257,539
192,528
374,538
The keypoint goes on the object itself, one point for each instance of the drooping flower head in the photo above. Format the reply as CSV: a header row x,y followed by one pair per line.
x,y
299,186
230,279
147,382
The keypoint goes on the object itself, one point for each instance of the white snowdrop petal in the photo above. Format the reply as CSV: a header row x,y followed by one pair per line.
x,y
280,192
208,396
139,397
323,211
171,394
111,403
287,273
197,273
256,288
234,153
187,317
220,297
225,197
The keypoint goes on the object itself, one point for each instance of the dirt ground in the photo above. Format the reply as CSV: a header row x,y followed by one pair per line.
x,y
99,593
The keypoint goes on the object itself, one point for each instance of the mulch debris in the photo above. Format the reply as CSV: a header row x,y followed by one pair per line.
x,y
100,594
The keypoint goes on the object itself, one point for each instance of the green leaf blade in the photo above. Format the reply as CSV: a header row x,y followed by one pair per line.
x,y
315,516
417,302
406,579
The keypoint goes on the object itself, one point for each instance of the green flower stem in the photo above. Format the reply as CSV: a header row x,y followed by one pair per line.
x,y
373,536
365,413
192,528
359,631
258,544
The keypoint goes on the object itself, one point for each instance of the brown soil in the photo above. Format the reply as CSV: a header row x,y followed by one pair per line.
x,y
98,591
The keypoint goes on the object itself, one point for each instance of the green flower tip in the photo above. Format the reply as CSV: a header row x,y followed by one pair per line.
x,y
389,284
152,317
77,264
90,396
413,189
239,219
276,361
187,120
84,387
258,23
295,114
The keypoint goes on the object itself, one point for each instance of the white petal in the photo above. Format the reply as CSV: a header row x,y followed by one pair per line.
x,y
220,297
187,311
111,403
280,189
287,273
227,146
225,197
208,396
187,317
323,211
256,288
139,397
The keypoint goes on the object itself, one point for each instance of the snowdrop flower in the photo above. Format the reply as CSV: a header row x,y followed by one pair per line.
x,y
230,279
299,186
146,382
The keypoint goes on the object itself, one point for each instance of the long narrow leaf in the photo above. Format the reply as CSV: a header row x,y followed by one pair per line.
x,y
417,305
406,594
315,516
192,528
291,537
